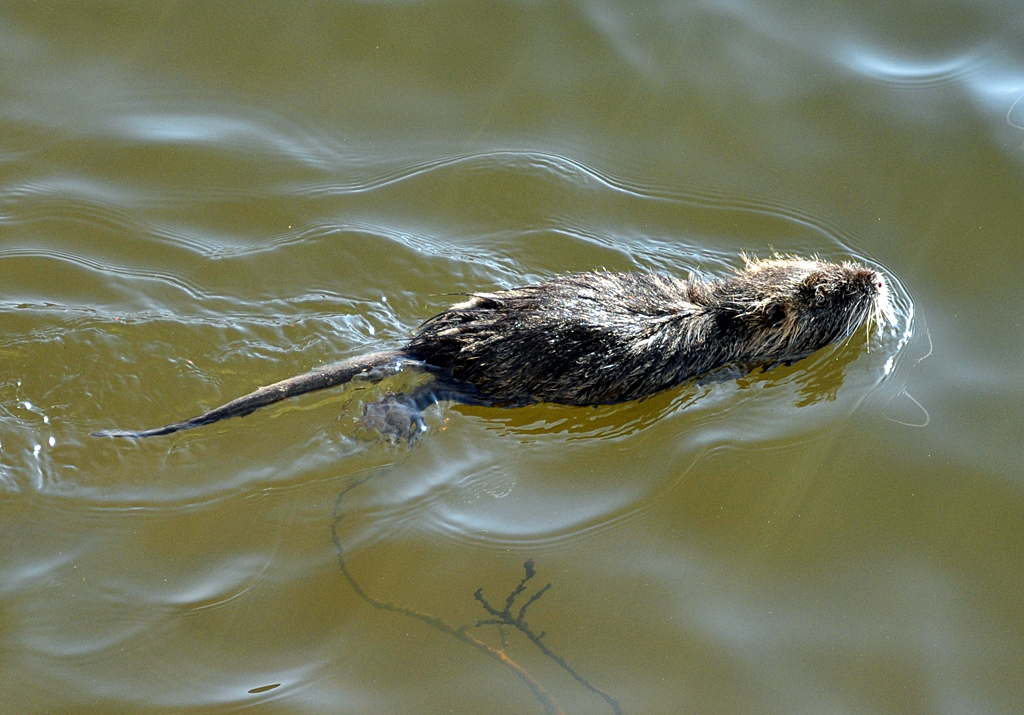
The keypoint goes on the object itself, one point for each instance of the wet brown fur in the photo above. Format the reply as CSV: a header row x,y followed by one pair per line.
x,y
600,338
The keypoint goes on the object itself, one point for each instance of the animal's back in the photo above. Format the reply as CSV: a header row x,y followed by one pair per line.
x,y
599,338
583,339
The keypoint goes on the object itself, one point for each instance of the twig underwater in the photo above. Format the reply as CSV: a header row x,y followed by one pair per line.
x,y
463,633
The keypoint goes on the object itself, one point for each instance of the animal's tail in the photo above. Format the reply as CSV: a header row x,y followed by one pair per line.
x,y
373,367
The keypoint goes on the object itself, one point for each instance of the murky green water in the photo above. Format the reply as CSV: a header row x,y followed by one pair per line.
x,y
197,199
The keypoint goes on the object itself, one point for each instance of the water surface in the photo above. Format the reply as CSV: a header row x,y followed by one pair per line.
x,y
198,199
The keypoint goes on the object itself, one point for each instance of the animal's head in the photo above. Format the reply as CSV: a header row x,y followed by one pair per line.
x,y
803,305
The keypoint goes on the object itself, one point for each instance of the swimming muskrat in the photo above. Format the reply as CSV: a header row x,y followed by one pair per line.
x,y
600,338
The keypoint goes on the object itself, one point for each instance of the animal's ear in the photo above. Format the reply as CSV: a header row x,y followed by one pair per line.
x,y
774,314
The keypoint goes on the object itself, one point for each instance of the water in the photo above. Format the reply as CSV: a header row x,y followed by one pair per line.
x,y
197,199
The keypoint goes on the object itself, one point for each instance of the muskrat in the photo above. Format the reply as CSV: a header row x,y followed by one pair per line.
x,y
600,338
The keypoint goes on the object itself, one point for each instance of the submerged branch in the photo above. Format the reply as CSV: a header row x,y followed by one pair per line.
x,y
461,633
505,618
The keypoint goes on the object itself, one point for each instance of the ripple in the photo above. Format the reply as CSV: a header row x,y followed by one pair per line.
x,y
538,175
223,126
885,67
